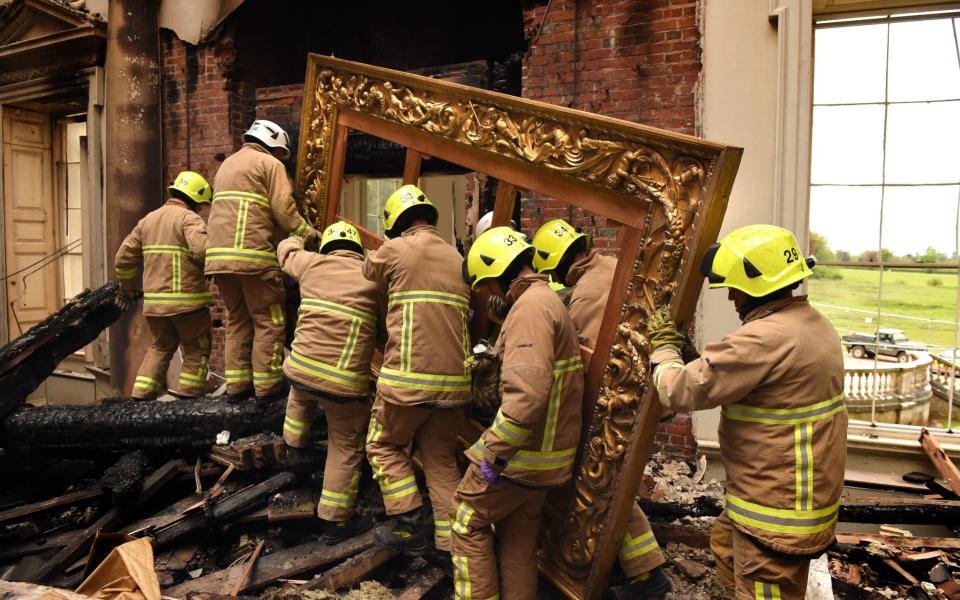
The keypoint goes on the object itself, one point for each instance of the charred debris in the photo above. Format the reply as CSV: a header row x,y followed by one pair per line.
x,y
229,515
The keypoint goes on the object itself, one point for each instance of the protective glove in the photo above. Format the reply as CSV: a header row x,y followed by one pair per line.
x,y
662,331
688,351
125,296
497,309
484,366
311,239
490,474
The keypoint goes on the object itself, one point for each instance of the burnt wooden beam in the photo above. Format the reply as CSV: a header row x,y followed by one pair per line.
x,y
940,460
31,509
853,509
126,425
245,500
111,519
279,565
351,570
31,358
899,541
422,584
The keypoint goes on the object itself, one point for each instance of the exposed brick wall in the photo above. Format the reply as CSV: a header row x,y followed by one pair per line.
x,y
638,60
204,115
282,104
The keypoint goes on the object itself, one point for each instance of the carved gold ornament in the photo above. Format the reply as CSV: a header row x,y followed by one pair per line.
x,y
671,180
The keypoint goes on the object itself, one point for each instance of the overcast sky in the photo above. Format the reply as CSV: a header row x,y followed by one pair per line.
x,y
922,136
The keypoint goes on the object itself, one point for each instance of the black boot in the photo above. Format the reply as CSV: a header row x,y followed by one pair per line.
x,y
654,587
277,395
302,460
239,396
335,532
404,533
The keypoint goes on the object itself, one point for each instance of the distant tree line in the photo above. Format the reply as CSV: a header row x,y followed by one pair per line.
x,y
820,247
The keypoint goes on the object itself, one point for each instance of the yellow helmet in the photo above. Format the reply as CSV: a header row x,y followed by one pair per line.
x,y
402,200
193,186
492,253
344,235
551,241
757,260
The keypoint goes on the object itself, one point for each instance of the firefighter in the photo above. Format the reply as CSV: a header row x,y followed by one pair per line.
x,y
783,425
329,364
252,197
566,254
532,443
170,242
423,385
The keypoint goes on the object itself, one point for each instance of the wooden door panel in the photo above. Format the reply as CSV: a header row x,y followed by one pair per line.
x,y
30,219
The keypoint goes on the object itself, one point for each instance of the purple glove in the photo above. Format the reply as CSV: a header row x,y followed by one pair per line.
x,y
491,475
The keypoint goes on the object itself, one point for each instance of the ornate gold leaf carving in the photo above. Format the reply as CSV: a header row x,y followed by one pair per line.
x,y
667,175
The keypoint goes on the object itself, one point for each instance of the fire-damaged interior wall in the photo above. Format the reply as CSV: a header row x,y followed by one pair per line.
x,y
638,61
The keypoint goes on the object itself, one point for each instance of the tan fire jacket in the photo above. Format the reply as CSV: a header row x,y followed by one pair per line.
x,y
535,433
427,301
251,199
170,242
591,278
336,328
783,430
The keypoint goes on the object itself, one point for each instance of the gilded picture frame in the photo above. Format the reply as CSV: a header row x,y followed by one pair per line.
x,y
667,191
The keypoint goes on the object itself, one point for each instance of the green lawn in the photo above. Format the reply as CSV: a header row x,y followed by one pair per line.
x,y
905,292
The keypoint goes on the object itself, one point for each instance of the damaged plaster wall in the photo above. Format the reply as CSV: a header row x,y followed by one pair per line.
x,y
738,104
191,20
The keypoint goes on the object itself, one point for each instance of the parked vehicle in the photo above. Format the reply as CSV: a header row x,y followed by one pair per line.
x,y
892,342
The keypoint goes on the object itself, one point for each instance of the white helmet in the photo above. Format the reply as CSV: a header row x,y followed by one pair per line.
x,y
270,135
484,224
487,220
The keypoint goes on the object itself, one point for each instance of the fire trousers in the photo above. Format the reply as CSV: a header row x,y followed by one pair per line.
x,y
639,552
477,552
346,426
392,429
255,331
191,333
749,571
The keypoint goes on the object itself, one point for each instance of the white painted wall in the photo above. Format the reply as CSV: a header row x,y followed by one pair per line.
x,y
738,104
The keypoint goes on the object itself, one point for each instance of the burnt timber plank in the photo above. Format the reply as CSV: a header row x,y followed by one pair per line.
x,y
72,551
242,501
131,425
279,565
32,509
940,460
26,361
422,584
352,569
899,541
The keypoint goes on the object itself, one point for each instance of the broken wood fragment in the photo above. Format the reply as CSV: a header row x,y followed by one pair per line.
x,y
242,501
28,360
940,460
351,570
898,541
901,571
256,452
78,546
422,584
245,575
920,556
64,500
293,504
282,564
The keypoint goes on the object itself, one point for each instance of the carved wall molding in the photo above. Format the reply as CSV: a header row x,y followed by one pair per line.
x,y
677,186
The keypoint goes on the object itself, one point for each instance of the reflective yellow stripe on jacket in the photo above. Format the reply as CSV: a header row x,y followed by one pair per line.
x,y
238,252
405,376
804,519
334,374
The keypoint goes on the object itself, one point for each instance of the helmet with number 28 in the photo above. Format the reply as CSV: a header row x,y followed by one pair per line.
x,y
492,254
757,260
